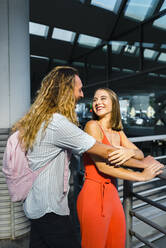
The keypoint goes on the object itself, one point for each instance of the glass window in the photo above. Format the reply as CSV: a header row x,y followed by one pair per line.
x,y
163,6
80,64
116,46
59,61
150,54
162,57
98,67
144,44
153,74
112,5
163,46
127,70
140,9
160,22
163,75
61,34
39,57
38,29
115,68
88,41
130,50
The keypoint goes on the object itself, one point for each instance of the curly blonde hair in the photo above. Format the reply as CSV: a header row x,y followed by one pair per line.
x,y
115,121
55,95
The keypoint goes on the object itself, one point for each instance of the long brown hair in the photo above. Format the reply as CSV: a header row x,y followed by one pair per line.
x,y
55,95
115,121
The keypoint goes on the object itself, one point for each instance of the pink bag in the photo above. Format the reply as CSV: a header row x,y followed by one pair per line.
x,y
19,177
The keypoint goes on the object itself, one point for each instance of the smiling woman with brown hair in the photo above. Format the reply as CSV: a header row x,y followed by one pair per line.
x,y
100,211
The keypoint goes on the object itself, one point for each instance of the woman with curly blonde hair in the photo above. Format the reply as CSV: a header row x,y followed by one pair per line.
x,y
48,133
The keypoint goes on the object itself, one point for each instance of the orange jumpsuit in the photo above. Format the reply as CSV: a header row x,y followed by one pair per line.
x,y
100,212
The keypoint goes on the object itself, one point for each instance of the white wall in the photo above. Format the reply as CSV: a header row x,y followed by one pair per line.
x,y
14,61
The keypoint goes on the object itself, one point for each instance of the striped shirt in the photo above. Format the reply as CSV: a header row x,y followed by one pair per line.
x,y
54,146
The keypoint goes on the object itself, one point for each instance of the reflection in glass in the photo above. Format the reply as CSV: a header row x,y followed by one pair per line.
x,y
150,112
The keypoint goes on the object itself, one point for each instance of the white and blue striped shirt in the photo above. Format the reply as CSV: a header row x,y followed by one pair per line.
x,y
47,194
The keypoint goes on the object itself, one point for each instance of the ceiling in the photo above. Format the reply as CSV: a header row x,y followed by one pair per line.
x,y
116,43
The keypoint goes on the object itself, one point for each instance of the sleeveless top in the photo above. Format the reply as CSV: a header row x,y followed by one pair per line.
x,y
92,172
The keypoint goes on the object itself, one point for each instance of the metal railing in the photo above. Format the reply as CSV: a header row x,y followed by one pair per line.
x,y
129,196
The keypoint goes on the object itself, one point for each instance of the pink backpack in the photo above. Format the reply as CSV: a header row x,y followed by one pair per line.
x,y
19,177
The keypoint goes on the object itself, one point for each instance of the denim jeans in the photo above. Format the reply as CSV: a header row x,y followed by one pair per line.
x,y
53,231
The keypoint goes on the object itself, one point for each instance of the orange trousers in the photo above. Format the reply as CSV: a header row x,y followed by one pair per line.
x,y
101,215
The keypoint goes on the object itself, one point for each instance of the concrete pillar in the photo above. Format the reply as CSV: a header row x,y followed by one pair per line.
x,y
14,103
14,61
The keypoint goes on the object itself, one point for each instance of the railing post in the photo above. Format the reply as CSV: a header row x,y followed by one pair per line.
x,y
127,204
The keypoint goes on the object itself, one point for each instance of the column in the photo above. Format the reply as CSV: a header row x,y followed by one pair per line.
x,y
14,61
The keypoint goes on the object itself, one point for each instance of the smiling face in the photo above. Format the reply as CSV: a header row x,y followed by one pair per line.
x,y
102,103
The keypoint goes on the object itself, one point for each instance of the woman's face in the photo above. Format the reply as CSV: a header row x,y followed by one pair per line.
x,y
102,103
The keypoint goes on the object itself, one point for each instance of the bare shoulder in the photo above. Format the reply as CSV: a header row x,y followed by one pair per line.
x,y
91,125
94,130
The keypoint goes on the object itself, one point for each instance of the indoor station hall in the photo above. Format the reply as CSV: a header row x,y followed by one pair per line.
x,y
115,44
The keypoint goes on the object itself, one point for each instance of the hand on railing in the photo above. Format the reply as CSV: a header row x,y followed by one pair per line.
x,y
163,174
153,168
150,160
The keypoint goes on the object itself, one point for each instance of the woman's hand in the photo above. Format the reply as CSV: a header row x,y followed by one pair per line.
x,y
121,155
152,171
150,160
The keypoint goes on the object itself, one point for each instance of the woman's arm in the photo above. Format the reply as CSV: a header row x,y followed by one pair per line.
x,y
147,174
126,151
125,142
104,151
